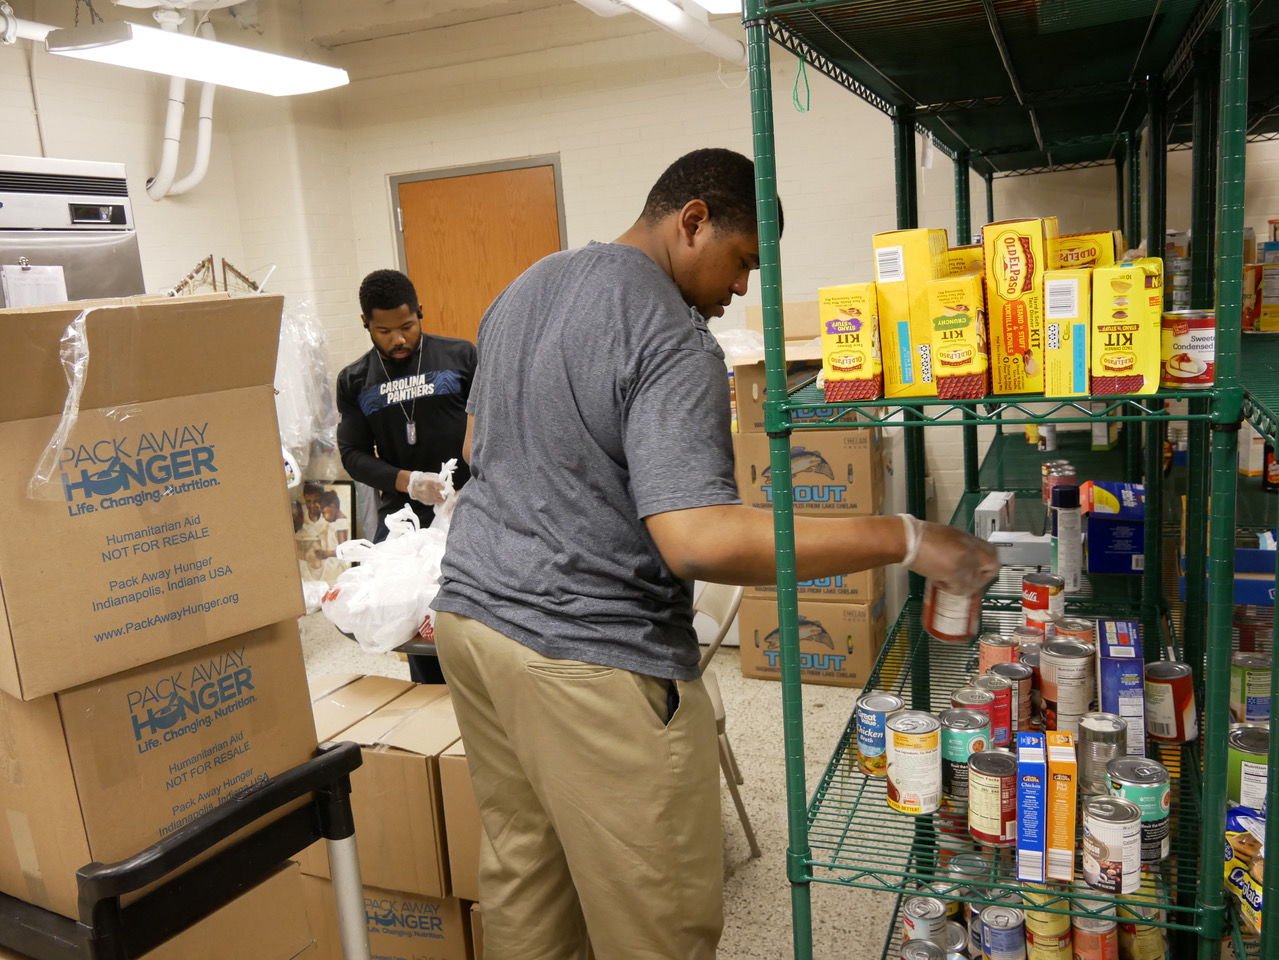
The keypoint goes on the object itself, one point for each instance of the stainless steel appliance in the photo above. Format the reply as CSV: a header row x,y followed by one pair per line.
x,y
74,214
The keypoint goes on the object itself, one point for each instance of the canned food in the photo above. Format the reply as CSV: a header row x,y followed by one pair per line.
x,y
1254,625
971,698
1102,738
1112,844
1046,469
1022,679
954,938
949,617
1001,709
1003,933
1047,438
993,648
963,733
967,867
1096,938
1043,596
1250,687
1170,702
1248,764
913,741
922,950
1074,628
1145,783
1189,340
873,711
1027,638
1141,941
1031,657
1047,934
992,798
1067,682
923,918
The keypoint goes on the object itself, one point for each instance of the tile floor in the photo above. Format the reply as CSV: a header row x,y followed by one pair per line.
x,y
847,924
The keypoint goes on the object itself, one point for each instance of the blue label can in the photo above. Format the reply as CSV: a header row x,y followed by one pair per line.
x,y
1003,933
873,711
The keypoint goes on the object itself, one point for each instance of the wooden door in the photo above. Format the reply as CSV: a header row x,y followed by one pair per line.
x,y
467,237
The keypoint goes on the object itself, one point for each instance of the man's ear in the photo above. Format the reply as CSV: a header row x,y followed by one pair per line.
x,y
694,216
419,313
364,321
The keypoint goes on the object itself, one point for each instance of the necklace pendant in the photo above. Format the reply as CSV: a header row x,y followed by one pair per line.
x,y
410,429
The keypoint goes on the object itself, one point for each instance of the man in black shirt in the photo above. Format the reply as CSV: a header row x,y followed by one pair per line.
x,y
403,410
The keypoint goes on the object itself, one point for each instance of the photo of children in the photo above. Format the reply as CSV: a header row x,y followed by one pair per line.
x,y
322,521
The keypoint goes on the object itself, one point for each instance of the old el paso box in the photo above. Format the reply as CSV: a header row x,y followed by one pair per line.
x,y
1073,250
962,260
102,771
838,642
1127,318
832,471
957,313
162,522
400,926
905,260
1067,327
1015,253
850,342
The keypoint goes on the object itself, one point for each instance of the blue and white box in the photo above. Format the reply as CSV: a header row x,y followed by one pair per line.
x,y
1032,808
1121,688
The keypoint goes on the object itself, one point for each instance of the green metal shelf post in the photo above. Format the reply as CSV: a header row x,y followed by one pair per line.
x,y
1133,154
776,423
1227,416
1121,206
1156,206
1194,622
990,196
1203,182
1156,173
964,235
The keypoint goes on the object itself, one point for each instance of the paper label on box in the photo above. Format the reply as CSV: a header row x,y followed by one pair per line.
x,y
890,264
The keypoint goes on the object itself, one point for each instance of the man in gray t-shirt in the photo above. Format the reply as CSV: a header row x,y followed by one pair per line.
x,y
601,486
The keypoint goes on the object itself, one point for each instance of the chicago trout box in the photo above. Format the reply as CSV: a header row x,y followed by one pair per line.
x,y
152,519
102,771
838,642
832,471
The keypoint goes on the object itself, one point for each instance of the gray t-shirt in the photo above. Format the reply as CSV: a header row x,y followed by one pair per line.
x,y
601,398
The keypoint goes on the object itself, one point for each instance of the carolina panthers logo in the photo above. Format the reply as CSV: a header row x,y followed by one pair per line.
x,y
429,383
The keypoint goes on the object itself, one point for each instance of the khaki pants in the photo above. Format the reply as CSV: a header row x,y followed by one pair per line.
x,y
598,815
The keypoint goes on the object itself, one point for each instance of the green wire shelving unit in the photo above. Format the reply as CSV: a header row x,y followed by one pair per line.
x,y
1007,88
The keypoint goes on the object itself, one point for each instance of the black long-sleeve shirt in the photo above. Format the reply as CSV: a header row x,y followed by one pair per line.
x,y
375,398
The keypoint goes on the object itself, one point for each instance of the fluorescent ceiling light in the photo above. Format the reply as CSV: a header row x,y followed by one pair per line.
x,y
720,6
127,44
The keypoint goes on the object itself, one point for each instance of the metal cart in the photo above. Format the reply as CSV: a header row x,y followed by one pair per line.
x,y
107,929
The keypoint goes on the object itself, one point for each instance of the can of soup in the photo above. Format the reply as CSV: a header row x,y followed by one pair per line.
x,y
1250,687
922,950
949,617
923,918
993,648
963,733
1074,628
1145,783
913,746
1043,596
1022,679
1102,738
970,698
873,711
1001,709
1096,938
1003,933
1068,683
1248,764
1170,702
992,798
1112,844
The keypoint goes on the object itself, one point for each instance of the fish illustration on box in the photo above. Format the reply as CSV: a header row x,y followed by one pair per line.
x,y
803,460
810,631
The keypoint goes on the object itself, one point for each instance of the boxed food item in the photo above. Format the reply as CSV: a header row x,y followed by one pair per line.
x,y
102,771
1251,454
838,642
1015,256
962,260
905,261
750,385
1127,318
1063,787
832,471
401,926
995,512
1121,688
1114,526
1245,844
850,342
957,312
1067,325
161,489
1032,807
1075,250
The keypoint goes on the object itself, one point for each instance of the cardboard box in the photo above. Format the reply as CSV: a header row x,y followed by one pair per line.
x,y
477,932
832,471
957,316
1032,808
1251,454
1015,261
461,822
803,362
1067,330
167,499
994,513
102,771
395,795
864,587
1075,250
1121,687
799,320
905,261
962,260
838,642
850,342
1127,320
1063,788
1114,526
402,926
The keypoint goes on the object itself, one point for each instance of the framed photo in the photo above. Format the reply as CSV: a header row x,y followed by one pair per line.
x,y
323,518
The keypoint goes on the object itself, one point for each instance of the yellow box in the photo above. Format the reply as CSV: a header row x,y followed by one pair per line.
x,y
957,310
1127,314
1063,785
962,260
905,261
1015,252
1067,325
1085,250
850,342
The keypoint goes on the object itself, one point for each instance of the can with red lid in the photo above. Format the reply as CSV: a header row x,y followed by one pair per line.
x,y
1170,702
1043,597
1189,349
1074,628
1001,710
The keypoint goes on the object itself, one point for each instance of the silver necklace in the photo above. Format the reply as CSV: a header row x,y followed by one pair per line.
x,y
410,425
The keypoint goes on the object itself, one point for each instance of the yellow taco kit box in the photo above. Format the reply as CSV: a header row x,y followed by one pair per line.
x,y
1015,252
1067,314
905,261
1127,313
957,312
850,342
962,260
1085,250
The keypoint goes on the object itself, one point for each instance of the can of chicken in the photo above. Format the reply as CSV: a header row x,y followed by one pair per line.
x,y
913,741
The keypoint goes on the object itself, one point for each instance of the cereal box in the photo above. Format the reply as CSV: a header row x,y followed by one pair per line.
x,y
1067,312
850,342
957,312
1121,688
1084,250
1127,319
1063,787
962,260
905,261
1032,807
1015,256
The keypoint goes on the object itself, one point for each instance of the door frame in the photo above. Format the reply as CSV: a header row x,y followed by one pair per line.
x,y
551,160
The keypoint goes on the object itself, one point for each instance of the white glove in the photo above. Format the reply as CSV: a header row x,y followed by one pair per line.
x,y
426,488
960,563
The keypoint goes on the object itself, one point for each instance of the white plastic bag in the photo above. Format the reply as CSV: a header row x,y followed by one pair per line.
x,y
385,600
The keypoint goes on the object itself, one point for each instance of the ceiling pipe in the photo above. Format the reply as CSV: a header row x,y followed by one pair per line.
x,y
14,28
668,15
158,186
204,136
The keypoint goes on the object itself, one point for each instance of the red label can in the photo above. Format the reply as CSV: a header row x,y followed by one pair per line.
x,y
1001,709
993,648
1043,597
1189,349
1096,938
948,617
1170,702
992,798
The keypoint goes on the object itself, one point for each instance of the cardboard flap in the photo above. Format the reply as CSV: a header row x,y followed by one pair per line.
x,y
795,350
320,687
350,704
172,348
374,728
426,731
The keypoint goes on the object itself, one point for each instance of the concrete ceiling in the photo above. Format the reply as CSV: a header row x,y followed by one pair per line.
x,y
336,23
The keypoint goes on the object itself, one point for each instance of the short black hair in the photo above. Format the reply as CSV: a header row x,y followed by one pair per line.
x,y
386,290
722,179
330,498
310,489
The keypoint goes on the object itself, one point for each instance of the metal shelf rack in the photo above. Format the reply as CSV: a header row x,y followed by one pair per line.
x,y
1007,87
